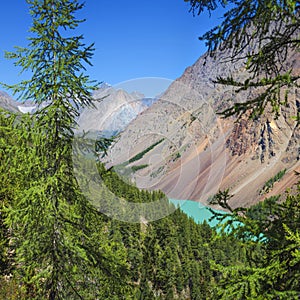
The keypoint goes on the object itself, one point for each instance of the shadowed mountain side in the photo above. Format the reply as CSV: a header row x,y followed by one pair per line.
x,y
7,103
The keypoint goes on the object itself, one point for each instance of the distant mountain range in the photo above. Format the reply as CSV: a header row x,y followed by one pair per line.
x,y
201,152
114,110
7,102
10,104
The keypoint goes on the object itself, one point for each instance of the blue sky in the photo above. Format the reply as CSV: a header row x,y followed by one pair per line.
x,y
133,39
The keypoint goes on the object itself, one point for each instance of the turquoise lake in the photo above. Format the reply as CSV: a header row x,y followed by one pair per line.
x,y
196,210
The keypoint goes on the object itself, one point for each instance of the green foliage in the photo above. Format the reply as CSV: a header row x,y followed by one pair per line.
x,y
6,190
125,171
273,271
11,289
176,156
56,244
170,257
139,167
141,154
102,145
270,183
221,198
60,245
262,34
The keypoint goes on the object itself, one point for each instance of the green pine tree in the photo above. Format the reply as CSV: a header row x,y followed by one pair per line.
x,y
62,250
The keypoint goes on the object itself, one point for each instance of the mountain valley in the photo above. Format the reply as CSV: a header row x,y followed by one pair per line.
x,y
203,152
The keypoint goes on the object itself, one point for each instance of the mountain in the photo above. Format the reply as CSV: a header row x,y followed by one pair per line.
x,y
114,110
200,152
6,102
10,104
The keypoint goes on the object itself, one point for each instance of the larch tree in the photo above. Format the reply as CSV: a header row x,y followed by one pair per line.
x,y
61,247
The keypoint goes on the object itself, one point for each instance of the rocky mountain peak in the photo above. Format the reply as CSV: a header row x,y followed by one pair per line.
x,y
114,110
7,102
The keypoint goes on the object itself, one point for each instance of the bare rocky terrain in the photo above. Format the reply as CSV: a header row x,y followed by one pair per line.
x,y
6,102
201,152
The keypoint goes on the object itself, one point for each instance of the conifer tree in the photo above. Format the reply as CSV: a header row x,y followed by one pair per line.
x,y
8,186
269,232
62,250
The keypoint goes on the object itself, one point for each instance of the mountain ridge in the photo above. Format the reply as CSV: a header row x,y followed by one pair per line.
x,y
202,152
114,110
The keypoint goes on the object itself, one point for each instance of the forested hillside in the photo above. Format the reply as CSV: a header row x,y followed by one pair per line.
x,y
171,258
57,243
165,259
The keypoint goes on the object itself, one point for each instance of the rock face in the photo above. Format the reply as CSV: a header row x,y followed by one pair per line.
x,y
10,104
114,110
202,153
6,102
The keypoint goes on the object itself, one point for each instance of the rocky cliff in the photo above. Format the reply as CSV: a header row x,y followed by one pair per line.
x,y
201,152
6,102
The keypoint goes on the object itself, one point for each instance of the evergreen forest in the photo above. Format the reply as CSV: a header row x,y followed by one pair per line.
x,y
55,243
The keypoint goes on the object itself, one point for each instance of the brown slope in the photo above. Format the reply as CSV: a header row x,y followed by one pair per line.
x,y
202,153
